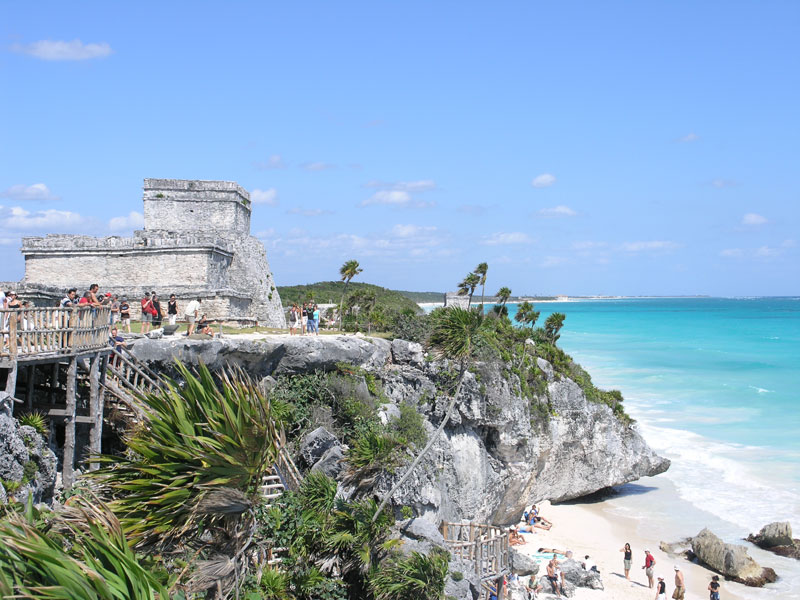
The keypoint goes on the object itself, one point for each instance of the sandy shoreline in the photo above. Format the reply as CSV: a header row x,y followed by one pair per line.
x,y
591,529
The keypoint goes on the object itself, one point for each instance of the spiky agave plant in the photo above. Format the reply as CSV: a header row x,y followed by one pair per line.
x,y
81,554
415,576
35,419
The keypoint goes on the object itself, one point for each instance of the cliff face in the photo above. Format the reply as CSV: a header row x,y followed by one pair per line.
x,y
497,455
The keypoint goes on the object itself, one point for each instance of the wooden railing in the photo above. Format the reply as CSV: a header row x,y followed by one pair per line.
x,y
32,332
486,547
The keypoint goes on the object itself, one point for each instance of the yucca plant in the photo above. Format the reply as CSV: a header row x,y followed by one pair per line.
x,y
81,554
200,438
416,576
35,419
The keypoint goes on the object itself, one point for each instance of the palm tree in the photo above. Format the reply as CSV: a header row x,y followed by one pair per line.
x,y
454,337
481,271
468,285
526,315
347,271
552,326
503,295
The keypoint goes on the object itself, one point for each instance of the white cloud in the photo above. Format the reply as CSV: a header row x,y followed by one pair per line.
x,y
265,233
544,180
553,261
690,137
722,183
27,193
273,162
18,219
588,245
317,166
732,253
132,221
766,252
501,238
411,230
753,219
268,197
59,50
648,246
422,185
309,212
558,211
788,244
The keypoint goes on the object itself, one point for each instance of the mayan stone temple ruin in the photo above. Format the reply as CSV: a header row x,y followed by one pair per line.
x,y
196,242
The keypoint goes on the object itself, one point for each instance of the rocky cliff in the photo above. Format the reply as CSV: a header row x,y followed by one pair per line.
x,y
500,452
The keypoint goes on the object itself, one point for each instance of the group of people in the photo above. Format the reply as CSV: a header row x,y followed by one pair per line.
x,y
661,585
305,318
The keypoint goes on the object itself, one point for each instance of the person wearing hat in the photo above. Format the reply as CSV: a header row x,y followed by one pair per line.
x,y
680,589
649,564
661,589
713,588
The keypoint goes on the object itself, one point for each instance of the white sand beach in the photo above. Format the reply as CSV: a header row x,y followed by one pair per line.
x,y
589,529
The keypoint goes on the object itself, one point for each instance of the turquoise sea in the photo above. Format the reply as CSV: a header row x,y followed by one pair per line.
x,y
714,385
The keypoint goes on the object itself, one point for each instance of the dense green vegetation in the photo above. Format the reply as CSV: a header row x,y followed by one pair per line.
x,y
330,292
423,296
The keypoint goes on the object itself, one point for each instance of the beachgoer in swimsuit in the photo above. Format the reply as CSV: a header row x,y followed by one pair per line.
x,y
627,560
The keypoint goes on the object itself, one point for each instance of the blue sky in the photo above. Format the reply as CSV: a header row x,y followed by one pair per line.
x,y
577,147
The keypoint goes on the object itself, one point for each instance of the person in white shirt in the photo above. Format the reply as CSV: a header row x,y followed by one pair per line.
x,y
191,312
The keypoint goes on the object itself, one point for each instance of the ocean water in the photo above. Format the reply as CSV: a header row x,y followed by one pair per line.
x,y
714,385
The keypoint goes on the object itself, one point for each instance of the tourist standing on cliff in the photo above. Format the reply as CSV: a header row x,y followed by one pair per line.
x,y
147,312
713,588
191,312
294,319
627,559
125,314
680,588
172,309
649,570
69,301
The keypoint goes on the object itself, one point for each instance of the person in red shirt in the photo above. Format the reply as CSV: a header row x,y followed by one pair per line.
x,y
649,568
147,312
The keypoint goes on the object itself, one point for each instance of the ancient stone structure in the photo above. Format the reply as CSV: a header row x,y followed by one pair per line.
x,y
196,242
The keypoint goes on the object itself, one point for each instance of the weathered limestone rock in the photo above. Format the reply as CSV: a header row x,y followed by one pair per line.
x,y
315,444
580,577
410,353
546,368
25,461
497,454
522,564
547,588
777,537
730,560
330,463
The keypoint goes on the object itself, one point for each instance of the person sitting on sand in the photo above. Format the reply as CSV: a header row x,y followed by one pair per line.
x,y
713,588
589,564
533,587
538,521
514,538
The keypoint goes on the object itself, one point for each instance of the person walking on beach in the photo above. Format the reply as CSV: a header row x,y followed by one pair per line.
x,y
680,589
713,588
172,309
627,559
649,570
661,589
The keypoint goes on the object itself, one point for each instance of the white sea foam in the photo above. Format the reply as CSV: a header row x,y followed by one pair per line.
x,y
760,390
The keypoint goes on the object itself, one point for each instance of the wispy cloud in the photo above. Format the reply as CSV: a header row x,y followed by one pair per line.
x,y
762,252
753,219
38,192
553,261
317,166
275,161
723,183
132,221
405,231
18,219
472,209
558,211
422,185
308,212
60,50
688,138
503,238
588,245
544,180
732,253
268,197
397,198
649,246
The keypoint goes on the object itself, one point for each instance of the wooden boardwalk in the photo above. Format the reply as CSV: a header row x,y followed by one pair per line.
x,y
484,547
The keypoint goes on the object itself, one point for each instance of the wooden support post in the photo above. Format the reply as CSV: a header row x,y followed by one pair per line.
x,y
68,473
11,381
96,406
31,372
54,383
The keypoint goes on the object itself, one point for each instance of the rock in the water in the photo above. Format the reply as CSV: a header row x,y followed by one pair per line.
x,y
315,444
580,577
676,549
330,463
730,560
777,537
522,564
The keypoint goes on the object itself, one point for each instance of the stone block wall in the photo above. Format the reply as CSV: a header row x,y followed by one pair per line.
x,y
179,205
454,299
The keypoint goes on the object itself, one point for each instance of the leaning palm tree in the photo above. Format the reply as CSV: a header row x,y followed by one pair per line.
x,y
526,315
454,336
503,294
347,271
468,285
481,271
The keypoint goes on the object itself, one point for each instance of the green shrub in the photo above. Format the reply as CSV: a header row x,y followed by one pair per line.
x,y
409,426
36,420
456,575
416,576
373,450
